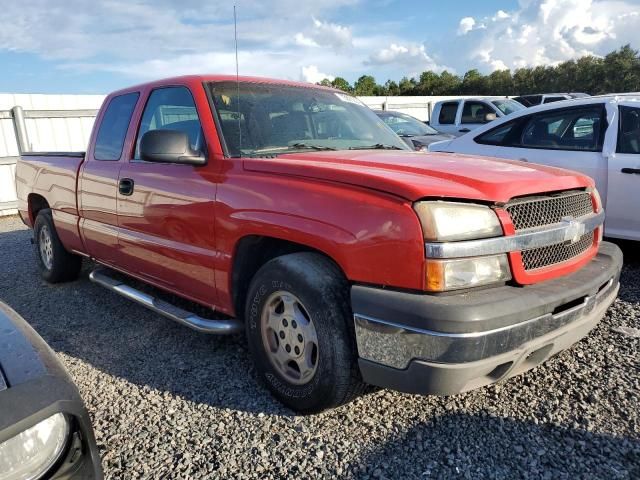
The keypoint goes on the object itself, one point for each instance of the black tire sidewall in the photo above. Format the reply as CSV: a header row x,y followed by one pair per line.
x,y
64,265
325,304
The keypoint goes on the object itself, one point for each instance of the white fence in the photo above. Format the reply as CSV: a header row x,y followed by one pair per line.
x,y
33,122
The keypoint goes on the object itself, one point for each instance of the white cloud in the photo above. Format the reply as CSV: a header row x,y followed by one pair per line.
x,y
310,73
411,55
466,25
545,32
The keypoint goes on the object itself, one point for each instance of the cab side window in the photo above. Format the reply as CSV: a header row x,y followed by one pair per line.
x,y
171,108
113,127
629,132
577,129
448,112
475,112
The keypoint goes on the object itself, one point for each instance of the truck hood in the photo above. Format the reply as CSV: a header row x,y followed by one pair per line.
x,y
415,175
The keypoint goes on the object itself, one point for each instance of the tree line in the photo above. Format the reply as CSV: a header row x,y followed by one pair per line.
x,y
619,71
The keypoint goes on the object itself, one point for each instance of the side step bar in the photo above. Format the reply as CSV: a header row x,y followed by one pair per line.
x,y
189,319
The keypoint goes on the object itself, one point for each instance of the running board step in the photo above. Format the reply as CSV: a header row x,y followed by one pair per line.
x,y
177,314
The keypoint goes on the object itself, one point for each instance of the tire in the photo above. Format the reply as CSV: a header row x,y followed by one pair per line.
x,y
320,295
55,263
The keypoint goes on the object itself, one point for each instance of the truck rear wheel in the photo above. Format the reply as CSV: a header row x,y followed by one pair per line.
x,y
55,263
300,335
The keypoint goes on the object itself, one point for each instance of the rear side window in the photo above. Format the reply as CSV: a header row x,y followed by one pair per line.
x,y
171,108
629,133
497,135
567,129
475,112
114,125
448,112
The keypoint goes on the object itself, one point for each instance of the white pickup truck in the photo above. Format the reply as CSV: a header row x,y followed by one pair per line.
x,y
597,136
457,117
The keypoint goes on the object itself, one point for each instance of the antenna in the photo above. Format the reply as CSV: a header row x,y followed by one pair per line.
x,y
235,35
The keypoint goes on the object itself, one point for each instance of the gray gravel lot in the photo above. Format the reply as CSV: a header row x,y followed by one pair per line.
x,y
167,402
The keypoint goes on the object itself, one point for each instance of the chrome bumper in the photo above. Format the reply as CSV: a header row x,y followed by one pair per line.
x,y
395,345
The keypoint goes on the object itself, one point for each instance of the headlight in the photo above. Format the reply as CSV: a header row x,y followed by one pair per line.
x,y
29,455
450,221
466,272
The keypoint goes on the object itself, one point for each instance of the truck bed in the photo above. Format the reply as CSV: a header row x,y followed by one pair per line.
x,y
52,176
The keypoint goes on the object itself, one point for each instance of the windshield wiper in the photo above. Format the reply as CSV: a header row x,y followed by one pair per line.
x,y
295,146
314,147
377,146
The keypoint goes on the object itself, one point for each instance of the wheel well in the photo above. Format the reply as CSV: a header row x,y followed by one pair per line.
x,y
251,253
36,203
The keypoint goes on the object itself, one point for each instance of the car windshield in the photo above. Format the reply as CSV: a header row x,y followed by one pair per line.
x,y
263,119
508,106
406,125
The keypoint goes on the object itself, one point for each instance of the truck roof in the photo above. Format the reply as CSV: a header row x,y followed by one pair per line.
x,y
186,79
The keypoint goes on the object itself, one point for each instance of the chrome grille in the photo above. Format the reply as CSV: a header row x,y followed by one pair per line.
x,y
558,253
531,212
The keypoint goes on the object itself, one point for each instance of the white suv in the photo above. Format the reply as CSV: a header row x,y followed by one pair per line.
x,y
597,136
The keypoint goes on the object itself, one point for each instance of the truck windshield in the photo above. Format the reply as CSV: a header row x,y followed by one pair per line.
x,y
508,106
262,119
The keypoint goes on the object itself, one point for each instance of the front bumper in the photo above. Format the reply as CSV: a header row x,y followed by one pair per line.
x,y
446,344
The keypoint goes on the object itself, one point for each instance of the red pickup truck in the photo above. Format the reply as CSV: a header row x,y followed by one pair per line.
x,y
295,214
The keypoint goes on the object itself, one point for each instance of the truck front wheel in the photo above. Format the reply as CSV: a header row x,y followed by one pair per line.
x,y
55,263
300,334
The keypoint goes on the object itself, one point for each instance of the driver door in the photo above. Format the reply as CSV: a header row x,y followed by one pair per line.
x,y
166,211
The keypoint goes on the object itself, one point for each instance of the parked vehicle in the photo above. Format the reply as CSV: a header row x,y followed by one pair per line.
x,y
45,430
415,133
347,258
598,136
538,99
457,117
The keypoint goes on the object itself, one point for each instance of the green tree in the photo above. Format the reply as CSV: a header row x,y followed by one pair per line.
x,y
448,84
341,84
325,82
365,85
474,83
407,86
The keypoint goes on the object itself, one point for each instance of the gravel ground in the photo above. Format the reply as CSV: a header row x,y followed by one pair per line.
x,y
167,402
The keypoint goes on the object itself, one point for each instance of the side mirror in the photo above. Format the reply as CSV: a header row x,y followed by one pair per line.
x,y
489,117
169,146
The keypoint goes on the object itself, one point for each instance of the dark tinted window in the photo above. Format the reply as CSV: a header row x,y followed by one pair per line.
x,y
554,99
448,112
475,112
566,129
629,133
497,135
529,100
113,127
171,108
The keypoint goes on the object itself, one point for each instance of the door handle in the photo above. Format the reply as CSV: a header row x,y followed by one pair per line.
x,y
464,130
631,171
523,159
125,187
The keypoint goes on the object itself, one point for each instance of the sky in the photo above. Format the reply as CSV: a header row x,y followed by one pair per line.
x,y
80,46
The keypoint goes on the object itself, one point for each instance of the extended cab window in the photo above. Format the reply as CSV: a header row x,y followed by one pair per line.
x,y
629,133
171,108
114,125
567,129
475,112
448,112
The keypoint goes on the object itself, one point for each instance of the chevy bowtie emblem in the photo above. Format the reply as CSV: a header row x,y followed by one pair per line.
x,y
573,229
